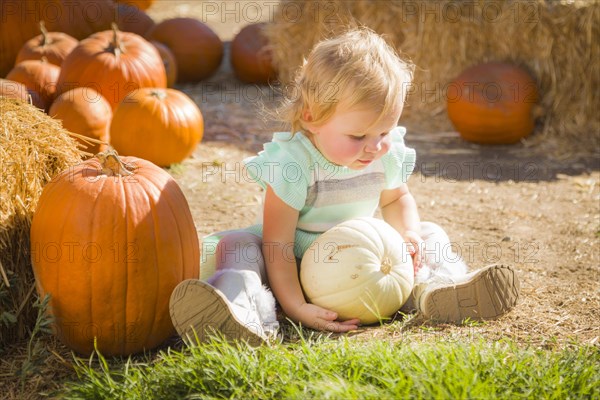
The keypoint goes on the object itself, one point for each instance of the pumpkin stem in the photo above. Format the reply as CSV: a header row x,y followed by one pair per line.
x,y
44,31
159,94
112,164
386,266
116,45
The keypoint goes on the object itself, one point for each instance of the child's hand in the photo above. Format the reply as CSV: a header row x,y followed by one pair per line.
x,y
324,320
414,243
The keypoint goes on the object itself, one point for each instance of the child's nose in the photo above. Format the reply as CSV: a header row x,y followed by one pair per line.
x,y
374,145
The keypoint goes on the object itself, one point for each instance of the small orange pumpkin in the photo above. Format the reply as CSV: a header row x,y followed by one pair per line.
x,y
197,49
168,126
39,76
251,56
55,46
114,63
110,240
493,103
84,111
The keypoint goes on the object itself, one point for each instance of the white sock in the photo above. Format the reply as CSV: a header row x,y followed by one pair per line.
x,y
252,303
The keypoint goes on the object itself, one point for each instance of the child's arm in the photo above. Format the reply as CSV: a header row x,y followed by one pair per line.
x,y
399,209
279,227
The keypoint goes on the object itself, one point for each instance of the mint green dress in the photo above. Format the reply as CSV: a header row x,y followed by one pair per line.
x,y
325,194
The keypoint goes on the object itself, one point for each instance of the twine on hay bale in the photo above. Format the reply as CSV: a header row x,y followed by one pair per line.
x,y
33,149
557,42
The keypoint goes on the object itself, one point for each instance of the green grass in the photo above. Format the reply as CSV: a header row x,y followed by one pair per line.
x,y
346,369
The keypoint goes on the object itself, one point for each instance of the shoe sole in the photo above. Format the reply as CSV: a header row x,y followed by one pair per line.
x,y
199,310
490,293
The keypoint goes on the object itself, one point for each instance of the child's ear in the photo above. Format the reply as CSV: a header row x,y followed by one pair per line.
x,y
306,115
307,120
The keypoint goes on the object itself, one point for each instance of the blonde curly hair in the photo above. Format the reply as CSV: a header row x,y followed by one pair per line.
x,y
356,68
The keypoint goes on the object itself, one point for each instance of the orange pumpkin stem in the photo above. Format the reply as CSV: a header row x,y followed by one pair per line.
x,y
159,94
116,45
112,164
45,40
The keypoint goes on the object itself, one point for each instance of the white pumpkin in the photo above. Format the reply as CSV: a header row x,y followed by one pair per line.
x,y
359,269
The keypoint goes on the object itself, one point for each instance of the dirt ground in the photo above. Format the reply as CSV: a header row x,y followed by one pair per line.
x,y
503,204
499,204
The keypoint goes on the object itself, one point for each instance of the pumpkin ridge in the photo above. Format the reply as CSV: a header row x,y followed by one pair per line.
x,y
124,200
377,241
378,246
155,231
131,191
68,216
148,187
400,277
179,118
57,190
89,265
163,195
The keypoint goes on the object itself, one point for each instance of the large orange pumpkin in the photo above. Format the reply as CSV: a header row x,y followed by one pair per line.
x,y
251,56
21,18
84,111
110,240
493,103
167,125
55,46
39,76
114,63
197,49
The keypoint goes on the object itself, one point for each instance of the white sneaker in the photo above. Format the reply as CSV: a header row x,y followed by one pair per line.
x,y
198,309
483,294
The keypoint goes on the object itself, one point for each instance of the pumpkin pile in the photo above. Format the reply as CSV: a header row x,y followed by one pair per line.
x,y
75,80
139,239
359,269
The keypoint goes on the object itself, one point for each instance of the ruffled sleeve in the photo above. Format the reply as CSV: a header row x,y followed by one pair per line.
x,y
400,161
283,166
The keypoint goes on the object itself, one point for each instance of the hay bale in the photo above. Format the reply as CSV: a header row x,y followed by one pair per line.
x,y
558,42
33,148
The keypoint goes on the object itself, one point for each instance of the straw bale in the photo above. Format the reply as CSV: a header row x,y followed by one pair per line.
x,y
557,42
33,148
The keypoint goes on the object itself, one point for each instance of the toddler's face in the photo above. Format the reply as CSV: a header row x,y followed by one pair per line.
x,y
349,137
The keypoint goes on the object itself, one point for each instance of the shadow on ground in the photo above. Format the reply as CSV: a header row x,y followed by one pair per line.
x,y
447,156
